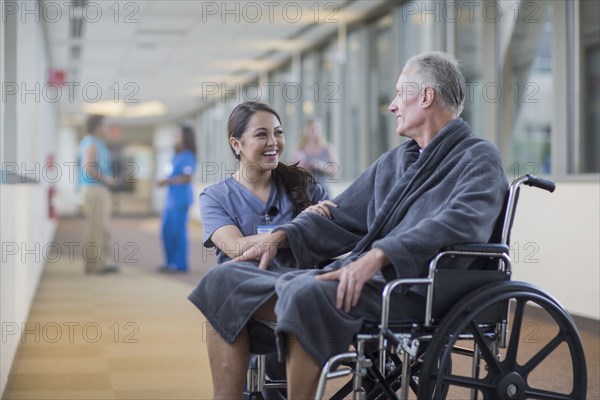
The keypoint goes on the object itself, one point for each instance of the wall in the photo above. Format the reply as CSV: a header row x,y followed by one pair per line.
x,y
27,141
26,243
555,244
69,199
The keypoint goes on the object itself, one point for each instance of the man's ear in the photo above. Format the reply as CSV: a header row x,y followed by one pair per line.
x,y
427,97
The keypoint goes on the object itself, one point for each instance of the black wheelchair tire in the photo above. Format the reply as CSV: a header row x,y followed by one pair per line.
x,y
433,385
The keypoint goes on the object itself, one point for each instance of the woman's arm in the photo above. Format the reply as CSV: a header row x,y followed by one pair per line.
x,y
175,180
229,240
184,166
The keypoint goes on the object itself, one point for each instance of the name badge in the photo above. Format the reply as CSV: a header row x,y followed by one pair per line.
x,y
265,228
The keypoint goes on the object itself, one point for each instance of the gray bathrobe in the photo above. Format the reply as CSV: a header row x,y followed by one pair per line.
x,y
408,203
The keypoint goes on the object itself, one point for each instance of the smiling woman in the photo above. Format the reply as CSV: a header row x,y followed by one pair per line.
x,y
263,193
236,209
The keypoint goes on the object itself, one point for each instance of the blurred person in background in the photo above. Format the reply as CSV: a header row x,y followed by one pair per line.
x,y
180,196
316,155
95,180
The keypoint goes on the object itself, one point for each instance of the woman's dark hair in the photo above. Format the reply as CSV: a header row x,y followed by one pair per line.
x,y
188,139
292,178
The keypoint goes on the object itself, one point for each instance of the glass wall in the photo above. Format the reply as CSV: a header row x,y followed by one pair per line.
x,y
354,132
588,151
417,28
326,87
469,47
285,95
310,83
382,87
512,56
527,93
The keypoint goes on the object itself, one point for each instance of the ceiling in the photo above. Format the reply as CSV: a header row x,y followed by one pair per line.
x,y
145,62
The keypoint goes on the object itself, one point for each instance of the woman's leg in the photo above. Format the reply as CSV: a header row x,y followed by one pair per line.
x,y
166,235
179,237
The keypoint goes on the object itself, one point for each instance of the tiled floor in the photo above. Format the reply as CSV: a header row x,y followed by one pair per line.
x,y
131,335
134,335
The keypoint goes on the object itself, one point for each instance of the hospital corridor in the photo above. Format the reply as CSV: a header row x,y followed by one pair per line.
x,y
145,144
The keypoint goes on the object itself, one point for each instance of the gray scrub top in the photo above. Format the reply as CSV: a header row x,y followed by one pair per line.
x,y
230,203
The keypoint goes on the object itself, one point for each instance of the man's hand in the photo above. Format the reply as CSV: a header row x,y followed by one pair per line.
x,y
353,277
263,250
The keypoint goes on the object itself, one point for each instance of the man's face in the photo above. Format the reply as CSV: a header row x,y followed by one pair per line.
x,y
406,106
102,130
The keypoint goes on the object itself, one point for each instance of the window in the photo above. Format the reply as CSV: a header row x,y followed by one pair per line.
x,y
328,88
382,87
589,143
469,45
528,95
285,95
309,83
354,108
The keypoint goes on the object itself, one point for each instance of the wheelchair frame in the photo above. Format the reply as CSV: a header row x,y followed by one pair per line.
x,y
418,356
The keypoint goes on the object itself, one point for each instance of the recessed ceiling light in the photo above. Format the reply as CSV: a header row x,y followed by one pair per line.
x,y
122,110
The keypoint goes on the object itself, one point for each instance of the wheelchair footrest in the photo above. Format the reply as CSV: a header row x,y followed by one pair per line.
x,y
275,384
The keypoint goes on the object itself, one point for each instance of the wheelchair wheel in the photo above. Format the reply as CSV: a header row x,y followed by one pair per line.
x,y
532,362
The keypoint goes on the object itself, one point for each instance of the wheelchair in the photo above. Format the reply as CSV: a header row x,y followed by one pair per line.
x,y
475,341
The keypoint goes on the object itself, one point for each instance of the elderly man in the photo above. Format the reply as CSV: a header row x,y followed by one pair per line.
x,y
444,186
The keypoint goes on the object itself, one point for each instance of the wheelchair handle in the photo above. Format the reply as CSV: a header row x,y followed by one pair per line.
x,y
545,184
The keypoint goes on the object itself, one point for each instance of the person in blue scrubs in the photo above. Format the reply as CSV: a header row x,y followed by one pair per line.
x,y
179,198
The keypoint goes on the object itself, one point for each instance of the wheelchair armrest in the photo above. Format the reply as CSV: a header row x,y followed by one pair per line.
x,y
387,295
464,249
490,248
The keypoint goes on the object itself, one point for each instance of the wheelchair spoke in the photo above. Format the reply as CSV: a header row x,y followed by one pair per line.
x,y
543,353
487,354
513,345
545,395
488,390
468,382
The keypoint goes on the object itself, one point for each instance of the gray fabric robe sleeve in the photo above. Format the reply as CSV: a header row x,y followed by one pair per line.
x,y
333,237
468,215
